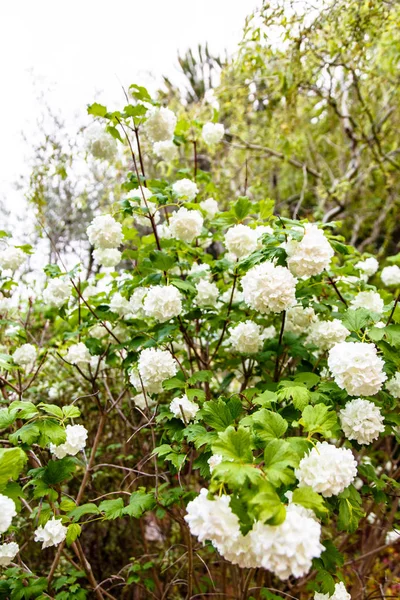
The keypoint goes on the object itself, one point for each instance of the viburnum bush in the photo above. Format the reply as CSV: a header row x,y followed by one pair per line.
x,y
214,412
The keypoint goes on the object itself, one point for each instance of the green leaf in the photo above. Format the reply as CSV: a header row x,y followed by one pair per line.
x,y
66,504
265,399
234,444
236,474
350,510
219,414
139,92
267,425
12,461
174,383
319,419
112,508
50,432
310,499
139,503
71,412
200,376
242,207
308,379
266,208
162,261
28,434
97,110
331,557
85,509
57,471
73,532
7,418
295,391
51,409
26,410
266,503
278,458
355,320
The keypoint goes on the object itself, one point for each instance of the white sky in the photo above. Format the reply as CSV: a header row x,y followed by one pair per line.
x,y
75,51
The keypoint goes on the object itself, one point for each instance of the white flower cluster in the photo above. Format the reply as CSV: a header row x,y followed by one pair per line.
x,y
311,255
155,366
299,319
241,240
76,436
391,275
325,334
185,188
102,145
57,292
269,288
210,207
160,124
361,420
186,225
166,150
105,232
163,302
370,300
207,293
246,337
7,512
340,593
214,461
369,266
78,354
120,305
286,549
25,355
108,257
52,534
7,553
212,133
357,368
12,258
326,469
393,385
183,408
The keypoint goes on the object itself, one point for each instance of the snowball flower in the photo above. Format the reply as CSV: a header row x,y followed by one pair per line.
x,y
155,366
212,133
136,308
7,512
391,275
246,337
52,534
160,124
289,548
214,461
76,436
185,188
268,333
269,288
25,355
357,368
299,319
142,195
78,354
163,302
210,207
311,255
200,270
370,300
393,385
361,420
325,334
164,232
340,593
326,469
105,232
12,258
119,305
207,293
102,145
166,150
7,553
369,266
108,257
57,293
140,399
186,224
185,406
241,240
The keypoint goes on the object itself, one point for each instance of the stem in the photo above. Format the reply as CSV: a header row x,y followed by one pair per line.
x,y
337,291
276,374
393,309
235,276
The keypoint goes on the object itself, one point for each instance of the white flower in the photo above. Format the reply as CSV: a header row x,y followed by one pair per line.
x,y
52,534
392,536
289,548
260,231
99,331
136,308
370,300
325,334
241,240
326,469
7,512
369,266
12,258
140,399
185,188
311,255
186,224
361,420
269,288
155,366
210,207
185,406
142,195
212,133
57,293
160,124
163,231
7,553
89,291
163,302
105,232
200,270
108,257
393,385
166,150
102,145
357,368
237,296
268,333
76,436
246,337
340,593
391,275
25,355
207,293
210,98
214,460
119,305
299,319
78,354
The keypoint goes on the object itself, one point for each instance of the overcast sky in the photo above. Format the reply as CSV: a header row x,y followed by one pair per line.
x,y
72,51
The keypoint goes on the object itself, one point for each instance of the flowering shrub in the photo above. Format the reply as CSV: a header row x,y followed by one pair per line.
x,y
215,411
